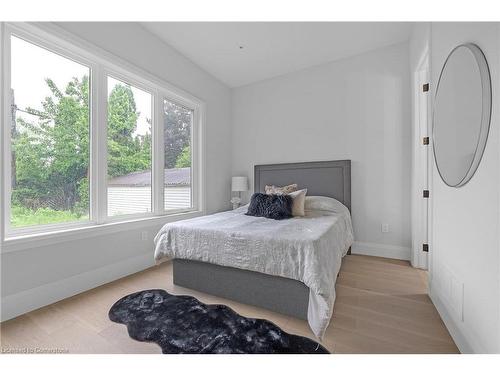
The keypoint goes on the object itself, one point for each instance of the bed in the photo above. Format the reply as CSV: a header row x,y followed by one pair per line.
x,y
288,266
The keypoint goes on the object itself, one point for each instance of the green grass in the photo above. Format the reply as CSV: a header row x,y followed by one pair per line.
x,y
23,217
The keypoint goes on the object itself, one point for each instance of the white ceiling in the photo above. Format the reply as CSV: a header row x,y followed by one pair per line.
x,y
273,48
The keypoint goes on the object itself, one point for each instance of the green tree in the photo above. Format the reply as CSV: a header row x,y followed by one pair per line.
x,y
52,154
177,136
184,158
126,153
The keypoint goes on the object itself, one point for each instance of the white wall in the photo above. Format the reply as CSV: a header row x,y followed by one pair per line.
x,y
43,272
357,108
465,232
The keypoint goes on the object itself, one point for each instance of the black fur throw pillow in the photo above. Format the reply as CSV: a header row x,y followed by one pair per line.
x,y
277,207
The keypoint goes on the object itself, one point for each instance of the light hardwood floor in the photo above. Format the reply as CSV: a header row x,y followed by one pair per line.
x,y
382,307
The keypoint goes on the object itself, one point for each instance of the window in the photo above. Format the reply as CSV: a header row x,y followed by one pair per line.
x,y
129,149
177,122
88,141
49,137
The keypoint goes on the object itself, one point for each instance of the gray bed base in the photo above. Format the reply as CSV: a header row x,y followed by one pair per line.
x,y
283,295
286,296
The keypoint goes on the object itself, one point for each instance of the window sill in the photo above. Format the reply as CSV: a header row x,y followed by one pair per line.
x,y
29,241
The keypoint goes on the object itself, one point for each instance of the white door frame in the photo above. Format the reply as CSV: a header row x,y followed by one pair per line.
x,y
421,167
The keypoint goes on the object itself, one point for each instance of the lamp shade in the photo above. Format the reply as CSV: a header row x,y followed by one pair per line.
x,y
239,183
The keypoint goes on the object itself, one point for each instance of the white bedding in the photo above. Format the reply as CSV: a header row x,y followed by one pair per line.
x,y
308,249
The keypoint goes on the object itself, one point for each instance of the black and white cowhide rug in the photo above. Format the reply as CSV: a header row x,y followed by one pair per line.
x,y
182,324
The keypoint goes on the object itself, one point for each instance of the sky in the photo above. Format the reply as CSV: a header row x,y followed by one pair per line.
x,y
31,65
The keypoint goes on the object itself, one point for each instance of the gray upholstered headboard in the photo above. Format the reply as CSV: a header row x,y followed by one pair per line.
x,y
327,178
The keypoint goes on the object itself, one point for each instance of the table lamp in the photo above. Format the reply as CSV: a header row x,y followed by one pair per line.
x,y
238,184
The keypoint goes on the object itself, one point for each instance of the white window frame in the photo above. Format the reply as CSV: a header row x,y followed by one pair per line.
x,y
102,64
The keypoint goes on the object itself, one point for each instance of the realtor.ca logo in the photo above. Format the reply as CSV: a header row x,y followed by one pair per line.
x,y
34,351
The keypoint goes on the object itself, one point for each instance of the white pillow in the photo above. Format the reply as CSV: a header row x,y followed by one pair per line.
x,y
299,199
319,203
281,190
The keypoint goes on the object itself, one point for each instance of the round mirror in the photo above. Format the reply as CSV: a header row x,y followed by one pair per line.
x,y
462,114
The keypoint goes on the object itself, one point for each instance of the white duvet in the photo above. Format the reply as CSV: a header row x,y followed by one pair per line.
x,y
308,249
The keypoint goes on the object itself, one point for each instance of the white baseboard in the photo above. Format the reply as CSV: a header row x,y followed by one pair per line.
x,y
381,250
32,299
459,334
